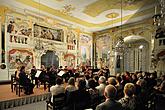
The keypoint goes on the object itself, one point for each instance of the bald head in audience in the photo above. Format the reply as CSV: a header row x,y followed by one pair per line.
x,y
110,92
110,102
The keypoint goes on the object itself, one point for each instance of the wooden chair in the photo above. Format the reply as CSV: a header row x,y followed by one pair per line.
x,y
19,89
94,102
46,84
13,82
77,100
160,101
58,102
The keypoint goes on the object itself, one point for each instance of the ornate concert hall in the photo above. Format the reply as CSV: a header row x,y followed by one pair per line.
x,y
82,54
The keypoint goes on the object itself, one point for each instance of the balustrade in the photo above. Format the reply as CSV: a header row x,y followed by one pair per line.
x,y
19,39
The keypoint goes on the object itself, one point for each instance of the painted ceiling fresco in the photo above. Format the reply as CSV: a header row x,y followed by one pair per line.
x,y
90,14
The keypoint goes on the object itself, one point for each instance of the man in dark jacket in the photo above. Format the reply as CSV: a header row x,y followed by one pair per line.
x,y
110,102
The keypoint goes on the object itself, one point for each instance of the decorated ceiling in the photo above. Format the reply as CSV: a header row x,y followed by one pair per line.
x,y
92,15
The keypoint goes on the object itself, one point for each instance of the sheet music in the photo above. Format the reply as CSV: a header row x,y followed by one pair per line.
x,y
38,73
61,73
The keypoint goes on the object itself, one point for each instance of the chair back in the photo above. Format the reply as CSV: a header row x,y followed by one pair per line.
x,y
58,101
160,101
94,101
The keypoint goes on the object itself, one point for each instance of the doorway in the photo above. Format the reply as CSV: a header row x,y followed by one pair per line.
x,y
50,59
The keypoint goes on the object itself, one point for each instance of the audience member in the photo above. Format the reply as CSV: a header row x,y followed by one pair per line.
x,y
134,78
86,80
110,102
57,89
94,93
102,84
79,99
128,101
71,85
112,81
96,79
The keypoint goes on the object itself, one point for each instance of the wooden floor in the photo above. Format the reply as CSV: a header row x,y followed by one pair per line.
x,y
6,94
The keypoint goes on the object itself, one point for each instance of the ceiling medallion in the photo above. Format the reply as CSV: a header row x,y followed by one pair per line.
x,y
112,15
67,9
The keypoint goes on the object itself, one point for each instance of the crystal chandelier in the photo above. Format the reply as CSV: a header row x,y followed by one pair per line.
x,y
120,46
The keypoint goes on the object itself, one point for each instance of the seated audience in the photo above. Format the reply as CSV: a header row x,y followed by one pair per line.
x,y
57,89
96,79
94,93
79,99
25,81
110,102
86,80
102,84
128,101
134,78
161,88
112,81
71,85
127,76
119,87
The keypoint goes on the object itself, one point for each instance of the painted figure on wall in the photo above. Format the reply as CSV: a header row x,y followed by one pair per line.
x,y
71,38
10,27
19,26
69,60
20,58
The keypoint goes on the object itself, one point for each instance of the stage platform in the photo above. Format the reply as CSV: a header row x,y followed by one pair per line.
x,y
9,99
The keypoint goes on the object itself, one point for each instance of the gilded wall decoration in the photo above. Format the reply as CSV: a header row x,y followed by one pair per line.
x,y
19,26
102,49
85,39
18,57
18,29
71,37
71,40
48,33
85,49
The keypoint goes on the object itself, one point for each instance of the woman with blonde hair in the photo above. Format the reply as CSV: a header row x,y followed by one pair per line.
x,y
128,101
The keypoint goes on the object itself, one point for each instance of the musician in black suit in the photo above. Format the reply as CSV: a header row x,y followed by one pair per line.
x,y
33,73
25,81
